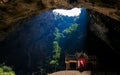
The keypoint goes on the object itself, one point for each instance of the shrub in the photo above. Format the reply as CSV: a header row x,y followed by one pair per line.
x,y
5,70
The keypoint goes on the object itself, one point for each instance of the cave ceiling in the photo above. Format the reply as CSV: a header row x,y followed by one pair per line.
x,y
13,11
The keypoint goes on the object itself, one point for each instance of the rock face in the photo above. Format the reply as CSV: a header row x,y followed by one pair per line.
x,y
29,43
14,11
107,29
104,32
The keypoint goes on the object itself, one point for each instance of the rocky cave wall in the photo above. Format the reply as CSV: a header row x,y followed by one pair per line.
x,y
103,40
103,32
12,11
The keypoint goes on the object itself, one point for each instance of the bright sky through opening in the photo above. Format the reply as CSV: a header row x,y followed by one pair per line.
x,y
71,13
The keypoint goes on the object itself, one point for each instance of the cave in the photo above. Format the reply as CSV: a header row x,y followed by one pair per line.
x,y
29,46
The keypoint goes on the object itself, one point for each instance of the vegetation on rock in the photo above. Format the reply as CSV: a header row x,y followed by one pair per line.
x,y
70,29
56,46
6,70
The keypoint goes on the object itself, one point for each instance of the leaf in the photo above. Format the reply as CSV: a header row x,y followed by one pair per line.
x,y
70,29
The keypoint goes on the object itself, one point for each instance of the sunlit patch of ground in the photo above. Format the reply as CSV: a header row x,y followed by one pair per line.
x,y
71,73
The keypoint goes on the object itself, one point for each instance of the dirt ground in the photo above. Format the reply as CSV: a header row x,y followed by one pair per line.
x,y
71,73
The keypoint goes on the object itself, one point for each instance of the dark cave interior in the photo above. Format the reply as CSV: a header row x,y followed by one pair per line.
x,y
34,37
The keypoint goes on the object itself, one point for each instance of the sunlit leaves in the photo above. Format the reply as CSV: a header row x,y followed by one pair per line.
x,y
56,46
57,34
5,70
56,50
70,29
53,62
1,70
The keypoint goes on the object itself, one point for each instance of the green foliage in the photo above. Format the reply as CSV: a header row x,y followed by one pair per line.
x,y
57,34
54,62
1,70
56,50
5,70
70,29
56,47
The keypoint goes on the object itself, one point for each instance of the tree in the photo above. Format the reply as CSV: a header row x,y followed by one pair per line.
x,y
57,34
56,50
56,47
56,56
70,29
